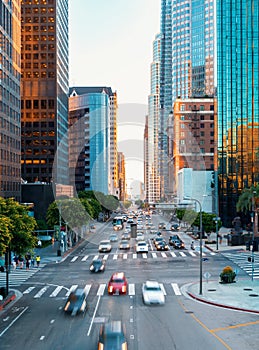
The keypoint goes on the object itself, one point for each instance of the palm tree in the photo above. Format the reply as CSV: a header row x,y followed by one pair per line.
x,y
248,201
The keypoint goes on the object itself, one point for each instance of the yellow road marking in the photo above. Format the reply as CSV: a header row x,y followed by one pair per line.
x,y
236,326
205,327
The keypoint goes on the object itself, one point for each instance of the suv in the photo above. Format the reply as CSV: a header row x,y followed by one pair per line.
x,y
141,247
112,336
117,284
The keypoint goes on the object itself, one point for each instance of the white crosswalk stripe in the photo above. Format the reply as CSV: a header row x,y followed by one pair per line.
x,y
241,259
151,254
51,291
18,276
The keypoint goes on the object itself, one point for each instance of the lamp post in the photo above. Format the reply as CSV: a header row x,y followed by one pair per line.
x,y
197,201
253,235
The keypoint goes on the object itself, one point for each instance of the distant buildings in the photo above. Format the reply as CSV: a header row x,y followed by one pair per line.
x,y
122,177
44,91
10,117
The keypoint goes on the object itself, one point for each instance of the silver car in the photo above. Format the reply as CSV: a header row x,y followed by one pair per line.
x,y
105,246
152,293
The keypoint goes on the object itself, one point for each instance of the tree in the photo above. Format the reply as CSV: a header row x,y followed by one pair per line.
x,y
19,228
5,235
245,200
127,204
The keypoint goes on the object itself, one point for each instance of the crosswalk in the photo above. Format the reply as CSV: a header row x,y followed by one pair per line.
x,y
19,276
149,255
51,291
241,259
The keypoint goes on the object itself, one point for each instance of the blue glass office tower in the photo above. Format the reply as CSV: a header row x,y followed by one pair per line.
x,y
238,103
89,138
165,90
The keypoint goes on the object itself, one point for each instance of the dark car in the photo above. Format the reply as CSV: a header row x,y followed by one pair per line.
x,y
175,227
126,236
76,302
112,336
124,244
173,238
157,240
162,245
162,226
97,265
178,244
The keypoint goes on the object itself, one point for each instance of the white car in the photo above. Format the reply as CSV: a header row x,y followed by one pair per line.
x,y
140,237
105,246
142,247
152,293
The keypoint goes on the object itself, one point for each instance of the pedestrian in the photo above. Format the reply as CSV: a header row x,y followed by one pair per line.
x,y
38,260
20,260
14,262
32,261
27,264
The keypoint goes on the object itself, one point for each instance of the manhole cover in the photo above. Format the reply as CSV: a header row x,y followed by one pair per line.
x,y
212,290
253,295
248,289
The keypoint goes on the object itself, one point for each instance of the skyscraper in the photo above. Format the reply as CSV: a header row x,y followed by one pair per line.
x,y
10,129
152,182
90,133
238,101
44,91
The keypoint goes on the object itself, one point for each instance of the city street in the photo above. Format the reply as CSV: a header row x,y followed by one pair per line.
x,y
37,319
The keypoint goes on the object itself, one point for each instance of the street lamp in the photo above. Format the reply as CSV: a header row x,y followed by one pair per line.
x,y
253,235
196,200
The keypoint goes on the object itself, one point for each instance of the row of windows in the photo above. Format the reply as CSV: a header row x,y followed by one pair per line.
x,y
43,28
196,108
37,37
37,65
38,152
37,115
197,117
9,156
9,142
43,19
38,2
36,75
10,185
36,104
37,9
37,142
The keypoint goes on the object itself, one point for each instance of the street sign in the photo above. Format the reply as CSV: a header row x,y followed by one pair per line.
x,y
207,275
44,238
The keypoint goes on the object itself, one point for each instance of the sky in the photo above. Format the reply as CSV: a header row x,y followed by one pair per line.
x,y
111,44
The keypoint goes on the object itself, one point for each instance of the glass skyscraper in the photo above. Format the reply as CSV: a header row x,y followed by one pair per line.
x,y
10,122
238,102
44,91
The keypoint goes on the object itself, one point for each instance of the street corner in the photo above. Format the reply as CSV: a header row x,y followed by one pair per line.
x,y
7,300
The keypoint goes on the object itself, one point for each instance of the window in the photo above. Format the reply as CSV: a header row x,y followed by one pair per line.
x,y
212,150
202,126
211,107
182,117
182,126
211,126
182,108
202,108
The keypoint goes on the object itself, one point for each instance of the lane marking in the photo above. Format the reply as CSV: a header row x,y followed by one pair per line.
x,y
192,253
101,289
71,289
56,291
134,256
16,318
106,256
85,258
176,289
74,259
154,255
163,254
182,253
163,288
173,254
28,290
131,289
87,289
92,321
115,256
125,255
41,292
144,255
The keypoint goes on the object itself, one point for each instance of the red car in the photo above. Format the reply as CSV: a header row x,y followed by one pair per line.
x,y
118,284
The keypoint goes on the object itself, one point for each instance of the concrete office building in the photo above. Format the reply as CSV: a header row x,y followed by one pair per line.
x,y
44,91
10,122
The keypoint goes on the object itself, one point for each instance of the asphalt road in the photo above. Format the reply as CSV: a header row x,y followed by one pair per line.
x,y
37,320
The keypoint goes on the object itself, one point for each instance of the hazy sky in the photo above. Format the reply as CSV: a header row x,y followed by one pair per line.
x,y
111,45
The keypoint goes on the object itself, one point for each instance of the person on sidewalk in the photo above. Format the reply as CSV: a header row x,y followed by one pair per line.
x,y
27,264
38,260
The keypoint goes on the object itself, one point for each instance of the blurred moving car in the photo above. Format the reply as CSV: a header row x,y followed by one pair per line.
x,y
97,265
162,245
173,238
158,239
112,336
175,227
105,246
140,236
76,302
152,293
124,244
162,226
178,244
141,247
126,235
92,227
117,284
113,237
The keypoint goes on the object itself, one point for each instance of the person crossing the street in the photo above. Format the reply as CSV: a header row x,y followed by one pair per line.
x,y
38,260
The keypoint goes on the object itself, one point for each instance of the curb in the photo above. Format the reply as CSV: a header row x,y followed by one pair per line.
x,y
11,296
193,296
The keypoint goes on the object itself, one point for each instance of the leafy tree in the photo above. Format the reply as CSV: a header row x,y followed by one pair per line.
x,y
127,204
139,203
96,207
5,235
19,227
245,200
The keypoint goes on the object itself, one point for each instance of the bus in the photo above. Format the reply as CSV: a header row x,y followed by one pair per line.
x,y
118,223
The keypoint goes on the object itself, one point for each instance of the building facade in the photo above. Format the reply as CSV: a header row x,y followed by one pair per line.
x,y
44,91
192,139
122,176
90,131
10,129
152,182
238,101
